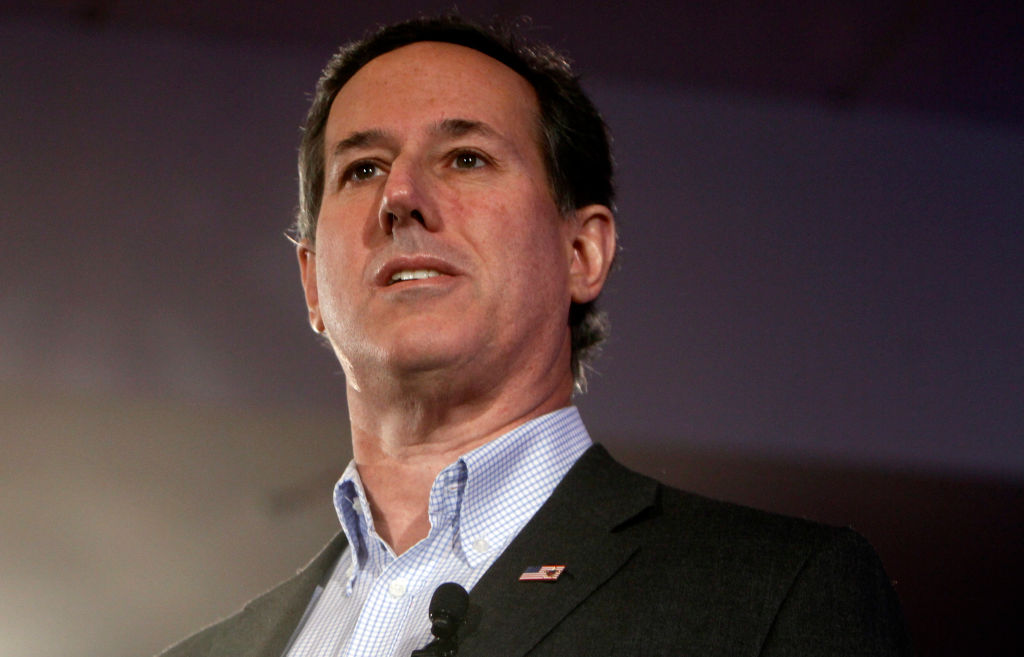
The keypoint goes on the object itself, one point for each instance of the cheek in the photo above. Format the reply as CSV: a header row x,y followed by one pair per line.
x,y
337,273
350,219
535,254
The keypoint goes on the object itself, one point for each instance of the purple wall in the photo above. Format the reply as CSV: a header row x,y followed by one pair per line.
x,y
809,301
821,284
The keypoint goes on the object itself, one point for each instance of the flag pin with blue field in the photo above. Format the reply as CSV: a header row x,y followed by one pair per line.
x,y
541,573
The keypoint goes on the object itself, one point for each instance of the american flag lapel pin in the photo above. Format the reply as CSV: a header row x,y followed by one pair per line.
x,y
541,573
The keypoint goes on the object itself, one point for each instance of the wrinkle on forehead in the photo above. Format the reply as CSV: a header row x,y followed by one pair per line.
x,y
456,81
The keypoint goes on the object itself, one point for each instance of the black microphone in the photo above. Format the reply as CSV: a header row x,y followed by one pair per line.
x,y
448,608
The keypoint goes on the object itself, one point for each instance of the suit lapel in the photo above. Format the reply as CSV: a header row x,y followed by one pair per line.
x,y
574,528
264,627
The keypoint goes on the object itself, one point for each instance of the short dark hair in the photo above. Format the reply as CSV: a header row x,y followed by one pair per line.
x,y
574,139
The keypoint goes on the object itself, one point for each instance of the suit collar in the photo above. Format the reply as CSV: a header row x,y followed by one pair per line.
x,y
575,528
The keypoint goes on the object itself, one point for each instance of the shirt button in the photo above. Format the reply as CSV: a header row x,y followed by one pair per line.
x,y
481,545
397,587
357,506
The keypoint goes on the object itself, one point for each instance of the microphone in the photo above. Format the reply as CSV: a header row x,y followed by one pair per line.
x,y
448,608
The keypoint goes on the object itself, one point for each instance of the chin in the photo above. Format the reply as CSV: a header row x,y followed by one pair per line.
x,y
427,350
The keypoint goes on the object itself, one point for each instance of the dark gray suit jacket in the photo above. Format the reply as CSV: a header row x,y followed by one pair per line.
x,y
649,571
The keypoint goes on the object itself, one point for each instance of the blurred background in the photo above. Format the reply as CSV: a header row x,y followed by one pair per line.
x,y
819,308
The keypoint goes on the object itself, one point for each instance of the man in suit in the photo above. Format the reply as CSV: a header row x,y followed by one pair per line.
x,y
455,230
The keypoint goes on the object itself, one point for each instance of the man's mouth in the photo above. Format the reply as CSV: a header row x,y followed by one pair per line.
x,y
413,275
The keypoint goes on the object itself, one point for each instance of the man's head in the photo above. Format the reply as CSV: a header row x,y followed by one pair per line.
x,y
569,134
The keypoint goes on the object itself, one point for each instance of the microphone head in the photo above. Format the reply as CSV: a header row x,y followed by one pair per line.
x,y
448,608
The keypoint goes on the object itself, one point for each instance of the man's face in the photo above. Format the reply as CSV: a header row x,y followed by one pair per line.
x,y
439,246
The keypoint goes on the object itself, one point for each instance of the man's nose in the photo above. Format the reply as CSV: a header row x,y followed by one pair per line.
x,y
406,199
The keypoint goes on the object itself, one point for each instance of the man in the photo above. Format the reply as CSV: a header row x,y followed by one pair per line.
x,y
455,230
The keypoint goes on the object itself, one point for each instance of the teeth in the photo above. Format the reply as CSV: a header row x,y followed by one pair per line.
x,y
414,275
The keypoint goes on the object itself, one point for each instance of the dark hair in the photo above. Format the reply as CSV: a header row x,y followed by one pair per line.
x,y
574,140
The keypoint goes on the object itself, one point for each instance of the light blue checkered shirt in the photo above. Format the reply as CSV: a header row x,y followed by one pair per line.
x,y
375,604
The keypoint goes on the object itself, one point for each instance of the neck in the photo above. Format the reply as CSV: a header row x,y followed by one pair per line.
x,y
402,440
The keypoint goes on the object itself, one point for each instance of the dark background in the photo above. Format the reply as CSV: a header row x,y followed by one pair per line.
x,y
818,310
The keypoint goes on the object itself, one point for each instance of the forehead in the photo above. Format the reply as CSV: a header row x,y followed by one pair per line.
x,y
427,82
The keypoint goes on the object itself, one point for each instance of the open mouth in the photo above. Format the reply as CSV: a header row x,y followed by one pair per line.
x,y
412,275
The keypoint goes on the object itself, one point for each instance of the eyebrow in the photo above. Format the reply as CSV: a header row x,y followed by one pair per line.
x,y
462,127
361,139
446,128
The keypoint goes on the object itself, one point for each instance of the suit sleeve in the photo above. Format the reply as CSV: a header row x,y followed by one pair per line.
x,y
841,603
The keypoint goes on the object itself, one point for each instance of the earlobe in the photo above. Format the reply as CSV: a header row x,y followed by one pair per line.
x,y
593,252
307,272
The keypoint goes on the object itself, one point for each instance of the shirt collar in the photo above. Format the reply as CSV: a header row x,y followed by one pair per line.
x,y
509,478
489,494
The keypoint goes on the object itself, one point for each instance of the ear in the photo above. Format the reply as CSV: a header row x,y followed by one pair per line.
x,y
593,250
307,271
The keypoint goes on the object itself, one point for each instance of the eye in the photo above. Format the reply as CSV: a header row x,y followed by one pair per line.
x,y
468,160
362,170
